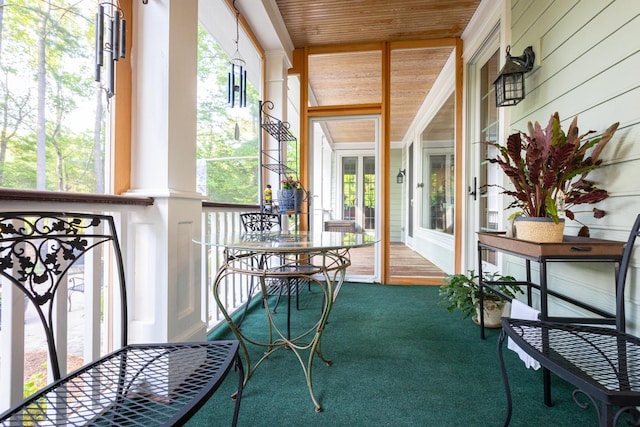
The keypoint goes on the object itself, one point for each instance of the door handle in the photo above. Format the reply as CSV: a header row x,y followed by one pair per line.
x,y
474,193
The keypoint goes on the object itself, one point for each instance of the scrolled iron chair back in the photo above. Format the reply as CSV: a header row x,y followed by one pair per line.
x,y
37,250
259,221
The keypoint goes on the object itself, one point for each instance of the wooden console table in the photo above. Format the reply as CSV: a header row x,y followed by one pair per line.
x,y
571,249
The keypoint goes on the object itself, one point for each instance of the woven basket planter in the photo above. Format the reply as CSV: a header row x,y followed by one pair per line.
x,y
540,230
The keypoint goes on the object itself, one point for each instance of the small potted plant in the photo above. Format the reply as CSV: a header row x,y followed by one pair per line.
x,y
548,171
290,195
462,291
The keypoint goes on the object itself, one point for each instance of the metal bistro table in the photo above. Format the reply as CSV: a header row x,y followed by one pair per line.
x,y
320,259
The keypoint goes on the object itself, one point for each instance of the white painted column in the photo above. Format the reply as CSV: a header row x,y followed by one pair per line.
x,y
163,267
12,344
276,69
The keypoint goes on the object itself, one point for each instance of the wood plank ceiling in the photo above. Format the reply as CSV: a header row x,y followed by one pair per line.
x,y
342,79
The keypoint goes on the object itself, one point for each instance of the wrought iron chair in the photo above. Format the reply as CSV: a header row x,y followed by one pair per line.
x,y
260,221
136,384
601,362
264,222
257,222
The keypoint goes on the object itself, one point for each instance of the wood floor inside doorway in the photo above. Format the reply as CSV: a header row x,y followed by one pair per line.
x,y
404,263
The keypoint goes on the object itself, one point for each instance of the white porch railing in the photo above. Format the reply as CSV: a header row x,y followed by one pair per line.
x,y
236,287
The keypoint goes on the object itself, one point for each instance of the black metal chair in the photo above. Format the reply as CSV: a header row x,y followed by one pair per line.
x,y
602,362
265,222
257,222
260,221
136,384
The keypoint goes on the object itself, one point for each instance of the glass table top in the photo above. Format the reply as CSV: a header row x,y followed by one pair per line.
x,y
289,241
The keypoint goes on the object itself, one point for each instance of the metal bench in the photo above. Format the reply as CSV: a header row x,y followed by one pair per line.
x,y
136,384
602,362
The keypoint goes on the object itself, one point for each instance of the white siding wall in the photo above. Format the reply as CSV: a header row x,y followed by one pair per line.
x,y
590,55
323,173
397,197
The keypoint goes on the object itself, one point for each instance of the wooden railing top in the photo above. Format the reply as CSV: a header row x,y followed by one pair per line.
x,y
66,197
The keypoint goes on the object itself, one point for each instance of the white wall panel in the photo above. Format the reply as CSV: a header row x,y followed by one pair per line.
x,y
589,54
397,197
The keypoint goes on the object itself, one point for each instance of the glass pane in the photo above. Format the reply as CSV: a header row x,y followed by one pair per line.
x,y
489,173
438,174
54,114
228,138
437,191
369,191
349,173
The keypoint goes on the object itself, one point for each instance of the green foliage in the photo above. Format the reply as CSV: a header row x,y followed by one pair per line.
x,y
37,409
65,29
548,168
34,383
462,291
228,167
46,89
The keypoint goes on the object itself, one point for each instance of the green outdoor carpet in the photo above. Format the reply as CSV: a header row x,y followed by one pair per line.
x,y
399,359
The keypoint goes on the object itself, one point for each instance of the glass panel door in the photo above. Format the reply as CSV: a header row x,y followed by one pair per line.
x,y
440,175
369,192
438,170
359,190
349,188
489,173
344,184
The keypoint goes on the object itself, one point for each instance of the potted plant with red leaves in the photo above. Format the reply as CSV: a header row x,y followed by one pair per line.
x,y
548,170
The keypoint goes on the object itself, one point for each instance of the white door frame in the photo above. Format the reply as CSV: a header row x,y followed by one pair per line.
x,y
473,169
320,171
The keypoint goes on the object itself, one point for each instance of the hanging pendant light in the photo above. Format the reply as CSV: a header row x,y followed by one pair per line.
x,y
237,86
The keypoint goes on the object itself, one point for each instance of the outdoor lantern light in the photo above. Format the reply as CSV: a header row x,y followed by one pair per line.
x,y
509,86
238,74
400,176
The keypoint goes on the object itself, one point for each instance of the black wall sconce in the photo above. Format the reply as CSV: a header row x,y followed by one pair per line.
x,y
509,86
111,30
400,176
